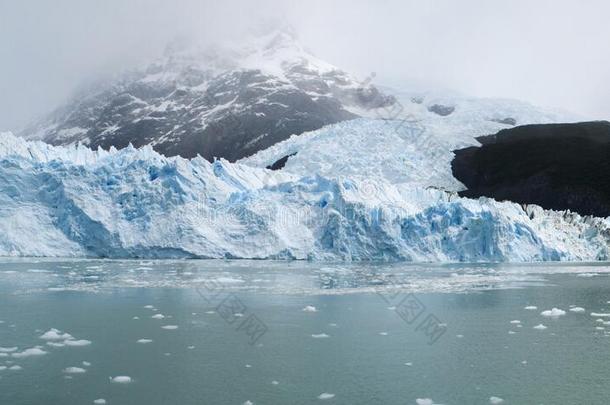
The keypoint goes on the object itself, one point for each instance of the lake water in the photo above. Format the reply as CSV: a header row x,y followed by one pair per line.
x,y
229,332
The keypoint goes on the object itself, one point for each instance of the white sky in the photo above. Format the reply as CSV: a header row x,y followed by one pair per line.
x,y
550,52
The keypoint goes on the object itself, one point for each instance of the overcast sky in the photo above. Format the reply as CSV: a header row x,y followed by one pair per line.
x,y
549,52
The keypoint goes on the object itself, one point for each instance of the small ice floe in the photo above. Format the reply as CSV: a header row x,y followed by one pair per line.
x,y
2,368
531,308
55,334
149,307
169,327
74,370
86,364
16,367
121,379
319,335
144,341
577,309
515,322
600,328
248,403
135,318
332,325
274,382
553,313
524,362
158,316
392,308
600,315
77,343
326,395
210,312
248,366
190,347
33,351
408,364
383,333
8,349
495,400
459,336
511,332
309,308
424,401
167,354
56,344
100,401
540,327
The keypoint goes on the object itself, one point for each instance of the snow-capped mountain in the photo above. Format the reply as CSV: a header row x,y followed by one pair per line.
x,y
228,101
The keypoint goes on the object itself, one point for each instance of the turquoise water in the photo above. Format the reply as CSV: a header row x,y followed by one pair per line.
x,y
388,334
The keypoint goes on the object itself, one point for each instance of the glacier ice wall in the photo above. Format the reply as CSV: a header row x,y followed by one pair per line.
x,y
71,201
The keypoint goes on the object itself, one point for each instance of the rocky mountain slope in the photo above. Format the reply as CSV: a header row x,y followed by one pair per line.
x,y
229,101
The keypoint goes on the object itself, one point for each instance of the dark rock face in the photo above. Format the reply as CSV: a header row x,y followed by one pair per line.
x,y
281,162
556,166
442,110
209,104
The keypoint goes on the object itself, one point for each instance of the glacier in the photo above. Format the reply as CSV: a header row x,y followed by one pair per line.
x,y
340,197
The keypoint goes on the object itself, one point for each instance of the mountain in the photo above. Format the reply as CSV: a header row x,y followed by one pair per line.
x,y
227,101
556,166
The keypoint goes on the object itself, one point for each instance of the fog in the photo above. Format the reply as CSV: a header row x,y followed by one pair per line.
x,y
551,53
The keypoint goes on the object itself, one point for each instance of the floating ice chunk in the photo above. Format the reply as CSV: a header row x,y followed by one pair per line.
x,y
424,401
33,351
55,334
326,395
408,364
16,367
274,382
600,315
158,316
524,362
459,336
248,403
600,328
144,341
210,312
540,327
495,400
2,368
77,343
56,344
319,335
577,309
100,401
309,308
86,363
169,327
190,347
136,317
149,307
8,349
531,308
553,313
383,333
515,322
511,332
74,370
121,379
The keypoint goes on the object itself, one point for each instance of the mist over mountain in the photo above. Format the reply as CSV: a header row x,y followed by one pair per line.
x,y
230,100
